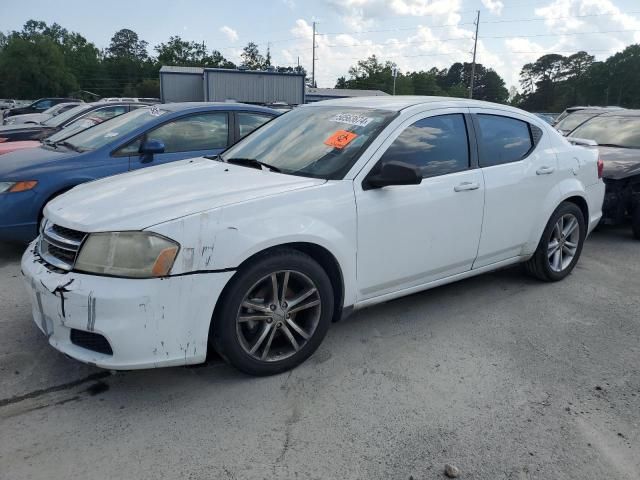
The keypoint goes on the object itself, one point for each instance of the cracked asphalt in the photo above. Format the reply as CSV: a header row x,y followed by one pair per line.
x,y
499,375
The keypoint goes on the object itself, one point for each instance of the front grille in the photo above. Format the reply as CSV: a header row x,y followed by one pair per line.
x,y
91,341
59,245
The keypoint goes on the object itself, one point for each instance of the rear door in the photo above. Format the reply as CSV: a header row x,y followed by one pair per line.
x,y
520,171
185,137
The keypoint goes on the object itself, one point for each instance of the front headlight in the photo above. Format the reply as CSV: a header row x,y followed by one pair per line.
x,y
17,186
127,254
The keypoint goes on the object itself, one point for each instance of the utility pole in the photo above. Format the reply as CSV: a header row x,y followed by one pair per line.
x,y
475,47
394,73
313,58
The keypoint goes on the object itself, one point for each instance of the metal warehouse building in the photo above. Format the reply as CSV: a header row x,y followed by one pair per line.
x,y
181,84
192,84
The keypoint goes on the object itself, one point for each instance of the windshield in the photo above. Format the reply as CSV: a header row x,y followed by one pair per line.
x,y
74,127
118,127
52,110
574,119
620,131
63,117
320,142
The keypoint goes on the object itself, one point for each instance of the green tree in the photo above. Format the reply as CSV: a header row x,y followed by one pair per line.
x,y
125,44
34,68
251,57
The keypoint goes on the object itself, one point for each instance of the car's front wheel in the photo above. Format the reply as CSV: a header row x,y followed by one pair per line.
x,y
560,246
274,314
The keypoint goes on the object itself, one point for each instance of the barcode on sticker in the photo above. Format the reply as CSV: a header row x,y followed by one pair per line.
x,y
351,119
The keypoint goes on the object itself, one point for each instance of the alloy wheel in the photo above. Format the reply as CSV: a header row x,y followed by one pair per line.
x,y
278,315
563,242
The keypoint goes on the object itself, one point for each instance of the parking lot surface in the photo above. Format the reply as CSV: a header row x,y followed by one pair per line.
x,y
500,375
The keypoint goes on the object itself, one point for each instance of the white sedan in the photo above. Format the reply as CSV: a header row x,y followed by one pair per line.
x,y
331,207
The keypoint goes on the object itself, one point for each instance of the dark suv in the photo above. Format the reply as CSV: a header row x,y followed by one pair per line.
x,y
38,106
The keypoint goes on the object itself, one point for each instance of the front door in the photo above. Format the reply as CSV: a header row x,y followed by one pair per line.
x,y
414,234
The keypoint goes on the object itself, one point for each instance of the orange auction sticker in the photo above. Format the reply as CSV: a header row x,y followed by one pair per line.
x,y
340,139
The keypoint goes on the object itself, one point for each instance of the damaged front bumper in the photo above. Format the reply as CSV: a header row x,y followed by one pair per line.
x,y
120,323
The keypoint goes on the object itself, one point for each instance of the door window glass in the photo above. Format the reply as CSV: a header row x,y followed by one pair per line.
x,y
436,145
197,132
502,140
248,122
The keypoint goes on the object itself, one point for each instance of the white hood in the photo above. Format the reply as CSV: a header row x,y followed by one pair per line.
x,y
139,199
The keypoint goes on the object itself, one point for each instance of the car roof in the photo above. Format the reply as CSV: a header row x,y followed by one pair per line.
x,y
622,113
400,102
186,106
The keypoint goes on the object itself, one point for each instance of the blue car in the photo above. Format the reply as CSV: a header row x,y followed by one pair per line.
x,y
141,138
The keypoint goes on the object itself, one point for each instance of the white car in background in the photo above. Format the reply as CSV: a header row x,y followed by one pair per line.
x,y
38,118
7,103
332,207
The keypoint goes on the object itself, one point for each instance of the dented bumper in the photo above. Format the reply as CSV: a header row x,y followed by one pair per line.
x,y
146,322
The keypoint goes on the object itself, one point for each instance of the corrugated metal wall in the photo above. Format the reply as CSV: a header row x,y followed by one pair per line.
x,y
181,87
253,87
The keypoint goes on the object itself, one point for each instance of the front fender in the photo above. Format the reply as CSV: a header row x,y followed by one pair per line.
x,y
223,239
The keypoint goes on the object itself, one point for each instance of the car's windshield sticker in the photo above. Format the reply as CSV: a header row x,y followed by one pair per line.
x,y
155,111
351,119
110,134
340,139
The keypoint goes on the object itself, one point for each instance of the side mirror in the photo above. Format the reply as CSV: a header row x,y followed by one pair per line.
x,y
393,173
149,148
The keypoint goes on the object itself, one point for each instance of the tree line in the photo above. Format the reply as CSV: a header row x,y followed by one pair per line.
x,y
550,84
449,82
48,60
553,81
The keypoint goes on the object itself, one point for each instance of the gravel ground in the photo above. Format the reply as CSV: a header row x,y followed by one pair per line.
x,y
501,376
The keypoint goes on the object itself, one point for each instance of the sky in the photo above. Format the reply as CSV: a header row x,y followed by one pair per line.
x,y
415,34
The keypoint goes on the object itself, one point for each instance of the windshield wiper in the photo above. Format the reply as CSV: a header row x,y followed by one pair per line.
x,y
251,162
614,145
69,145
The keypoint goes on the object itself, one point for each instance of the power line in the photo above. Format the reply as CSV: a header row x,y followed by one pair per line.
x,y
559,34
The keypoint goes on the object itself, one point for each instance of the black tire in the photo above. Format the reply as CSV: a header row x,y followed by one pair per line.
x,y
635,220
225,330
539,265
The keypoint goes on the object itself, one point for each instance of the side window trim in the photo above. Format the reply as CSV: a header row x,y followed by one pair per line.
x,y
135,139
472,138
476,126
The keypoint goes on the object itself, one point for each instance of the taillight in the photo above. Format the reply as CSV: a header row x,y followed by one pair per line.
x,y
600,167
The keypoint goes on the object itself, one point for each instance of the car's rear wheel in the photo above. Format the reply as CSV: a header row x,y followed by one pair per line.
x,y
274,314
560,246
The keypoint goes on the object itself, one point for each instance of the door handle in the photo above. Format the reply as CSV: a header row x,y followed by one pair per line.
x,y
545,170
464,186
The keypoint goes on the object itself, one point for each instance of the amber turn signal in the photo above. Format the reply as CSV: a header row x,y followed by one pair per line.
x,y
22,186
164,262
